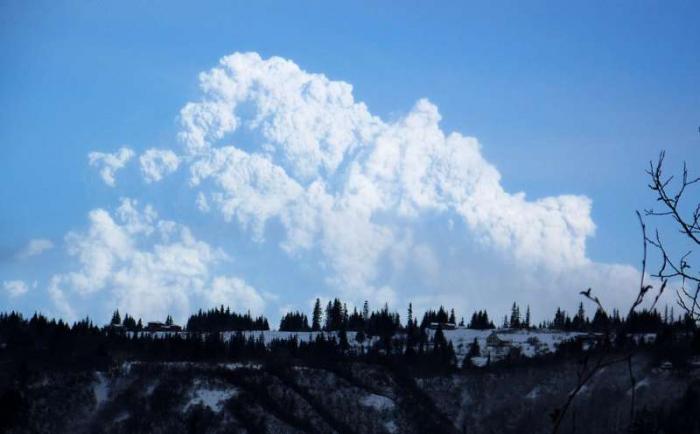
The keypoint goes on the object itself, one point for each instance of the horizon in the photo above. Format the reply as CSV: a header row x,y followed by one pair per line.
x,y
546,321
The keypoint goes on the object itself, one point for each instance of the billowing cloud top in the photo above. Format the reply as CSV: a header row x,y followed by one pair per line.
x,y
389,210
328,168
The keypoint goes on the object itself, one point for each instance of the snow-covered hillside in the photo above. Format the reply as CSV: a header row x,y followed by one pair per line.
x,y
530,343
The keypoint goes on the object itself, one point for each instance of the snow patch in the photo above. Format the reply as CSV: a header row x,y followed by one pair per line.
x,y
534,393
378,402
212,398
479,361
234,366
150,388
390,426
639,385
100,388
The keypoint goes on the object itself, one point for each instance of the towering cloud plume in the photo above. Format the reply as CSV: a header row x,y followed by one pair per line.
x,y
271,141
385,211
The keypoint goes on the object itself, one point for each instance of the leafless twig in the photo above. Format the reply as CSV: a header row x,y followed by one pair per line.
x,y
587,373
688,226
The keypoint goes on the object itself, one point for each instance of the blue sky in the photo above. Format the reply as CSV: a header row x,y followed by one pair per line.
x,y
564,99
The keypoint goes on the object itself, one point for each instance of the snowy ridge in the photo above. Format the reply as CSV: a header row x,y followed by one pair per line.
x,y
530,343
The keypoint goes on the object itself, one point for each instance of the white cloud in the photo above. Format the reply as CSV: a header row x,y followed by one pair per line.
x,y
236,293
355,188
248,187
35,247
147,266
109,164
60,301
15,288
202,202
156,163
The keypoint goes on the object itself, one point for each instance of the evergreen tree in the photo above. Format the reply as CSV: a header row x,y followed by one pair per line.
x,y
360,337
474,349
327,322
480,321
452,319
439,340
515,316
294,322
442,349
527,317
343,340
431,316
600,320
169,320
316,316
581,313
335,316
579,321
355,322
129,322
116,318
383,323
217,320
560,318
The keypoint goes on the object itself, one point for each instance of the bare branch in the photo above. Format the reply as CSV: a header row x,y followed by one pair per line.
x,y
672,201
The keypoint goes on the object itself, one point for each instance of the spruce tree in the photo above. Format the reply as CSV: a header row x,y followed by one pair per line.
x,y
527,317
329,316
474,349
116,318
515,316
316,319
343,340
580,319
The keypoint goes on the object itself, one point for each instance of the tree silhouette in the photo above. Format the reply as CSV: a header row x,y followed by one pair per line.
x,y
316,316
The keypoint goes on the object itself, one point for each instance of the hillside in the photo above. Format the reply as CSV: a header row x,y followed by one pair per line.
x,y
349,397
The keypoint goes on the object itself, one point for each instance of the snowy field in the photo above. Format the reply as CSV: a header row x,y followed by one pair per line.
x,y
531,343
